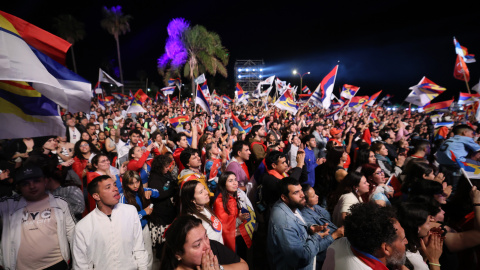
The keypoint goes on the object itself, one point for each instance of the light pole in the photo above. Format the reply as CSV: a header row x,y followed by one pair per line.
x,y
301,76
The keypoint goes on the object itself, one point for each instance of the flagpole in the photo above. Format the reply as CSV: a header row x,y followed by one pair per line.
x,y
466,82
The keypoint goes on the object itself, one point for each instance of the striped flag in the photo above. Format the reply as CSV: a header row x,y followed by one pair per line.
x,y
201,100
168,90
242,127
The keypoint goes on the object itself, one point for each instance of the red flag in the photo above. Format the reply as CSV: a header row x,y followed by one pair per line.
x,y
141,96
437,106
461,71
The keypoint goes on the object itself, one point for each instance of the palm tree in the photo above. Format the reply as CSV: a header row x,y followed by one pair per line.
x,y
70,29
201,52
116,23
205,53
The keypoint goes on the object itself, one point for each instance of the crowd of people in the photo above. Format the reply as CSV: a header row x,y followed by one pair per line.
x,y
139,191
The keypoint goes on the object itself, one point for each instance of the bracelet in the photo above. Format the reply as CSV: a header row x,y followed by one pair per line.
x,y
476,204
435,264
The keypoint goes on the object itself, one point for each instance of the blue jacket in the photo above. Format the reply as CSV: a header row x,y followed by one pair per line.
x,y
141,214
289,246
311,163
320,216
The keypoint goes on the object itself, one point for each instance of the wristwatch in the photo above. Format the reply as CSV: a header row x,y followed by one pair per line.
x,y
221,267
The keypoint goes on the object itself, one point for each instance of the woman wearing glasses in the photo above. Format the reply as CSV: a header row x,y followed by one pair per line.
x,y
379,191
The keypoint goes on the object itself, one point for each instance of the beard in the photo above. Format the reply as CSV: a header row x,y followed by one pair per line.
x,y
397,259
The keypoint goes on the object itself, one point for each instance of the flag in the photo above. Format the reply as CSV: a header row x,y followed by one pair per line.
x,y
179,120
25,112
117,96
374,119
372,99
227,99
200,79
476,87
303,98
242,128
240,95
385,98
168,90
444,124
286,102
104,77
437,106
201,100
305,90
177,82
357,103
169,102
30,54
138,99
205,90
463,52
280,85
472,170
436,117
461,71
440,133
424,92
334,113
268,80
466,99
322,97
348,91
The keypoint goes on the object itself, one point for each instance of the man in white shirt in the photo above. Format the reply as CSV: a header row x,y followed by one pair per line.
x,y
374,240
109,237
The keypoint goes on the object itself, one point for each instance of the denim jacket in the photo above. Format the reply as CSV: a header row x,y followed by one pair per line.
x,y
289,246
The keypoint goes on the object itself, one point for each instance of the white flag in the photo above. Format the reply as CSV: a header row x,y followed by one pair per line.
x,y
104,77
200,79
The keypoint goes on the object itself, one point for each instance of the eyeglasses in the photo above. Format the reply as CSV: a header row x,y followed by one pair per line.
x,y
380,172
84,145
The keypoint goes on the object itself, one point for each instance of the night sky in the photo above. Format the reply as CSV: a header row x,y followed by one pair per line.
x,y
381,45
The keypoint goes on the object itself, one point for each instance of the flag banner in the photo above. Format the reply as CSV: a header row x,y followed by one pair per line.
x,y
286,102
372,99
240,95
201,100
269,80
305,90
159,95
117,96
205,90
460,71
227,99
322,97
280,85
424,92
104,77
26,113
303,98
138,99
385,98
200,79
374,119
463,52
168,90
348,91
30,54
367,136
471,169
242,127
177,82
436,117
444,124
466,99
357,103
178,121
437,106
334,113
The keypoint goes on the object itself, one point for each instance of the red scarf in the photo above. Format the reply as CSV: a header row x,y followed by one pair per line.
x,y
277,174
369,259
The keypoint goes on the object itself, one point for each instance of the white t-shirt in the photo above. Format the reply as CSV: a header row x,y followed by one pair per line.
x,y
416,260
343,206
340,257
214,232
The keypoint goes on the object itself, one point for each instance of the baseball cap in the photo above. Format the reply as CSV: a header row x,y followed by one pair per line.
x,y
28,172
335,131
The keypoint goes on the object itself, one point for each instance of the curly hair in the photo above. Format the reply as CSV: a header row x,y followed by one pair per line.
x,y
369,225
159,163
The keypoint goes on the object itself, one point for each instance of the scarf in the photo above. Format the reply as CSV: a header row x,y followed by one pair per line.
x,y
384,159
369,259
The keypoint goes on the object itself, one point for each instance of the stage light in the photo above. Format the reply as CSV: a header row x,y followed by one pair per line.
x,y
261,69
247,70
239,70
294,72
260,76
253,70
239,76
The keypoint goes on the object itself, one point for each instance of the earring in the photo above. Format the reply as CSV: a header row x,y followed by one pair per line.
x,y
356,190
179,258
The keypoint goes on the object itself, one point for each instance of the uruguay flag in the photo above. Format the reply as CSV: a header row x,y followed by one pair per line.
x,y
201,100
372,99
286,102
348,91
226,99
